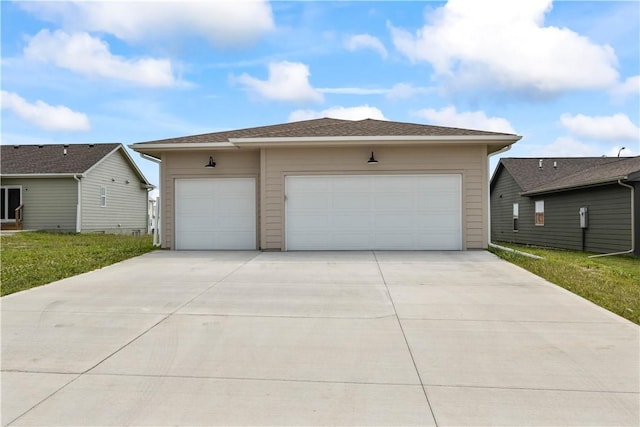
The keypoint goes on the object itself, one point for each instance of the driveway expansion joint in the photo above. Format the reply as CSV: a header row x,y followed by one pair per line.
x,y
404,335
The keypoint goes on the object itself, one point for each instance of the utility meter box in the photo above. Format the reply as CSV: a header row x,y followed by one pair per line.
x,y
584,217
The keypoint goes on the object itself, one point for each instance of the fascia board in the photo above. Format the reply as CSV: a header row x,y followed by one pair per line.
x,y
143,147
42,175
369,141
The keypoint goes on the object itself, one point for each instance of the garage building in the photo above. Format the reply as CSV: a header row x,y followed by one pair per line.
x,y
327,184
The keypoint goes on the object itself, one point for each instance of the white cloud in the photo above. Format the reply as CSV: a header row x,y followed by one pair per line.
x,y
505,43
223,23
287,81
566,146
352,90
87,55
406,90
617,127
43,115
630,87
448,116
365,41
346,113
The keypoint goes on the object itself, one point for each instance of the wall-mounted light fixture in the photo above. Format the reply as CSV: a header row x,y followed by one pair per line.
x,y
211,163
372,160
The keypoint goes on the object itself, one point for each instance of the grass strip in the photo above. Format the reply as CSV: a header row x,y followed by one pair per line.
x,y
31,259
611,282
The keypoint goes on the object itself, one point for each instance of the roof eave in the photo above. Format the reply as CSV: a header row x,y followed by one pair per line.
x,y
43,175
494,142
154,149
610,180
307,141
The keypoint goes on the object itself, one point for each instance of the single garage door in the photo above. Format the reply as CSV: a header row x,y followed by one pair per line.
x,y
364,212
215,213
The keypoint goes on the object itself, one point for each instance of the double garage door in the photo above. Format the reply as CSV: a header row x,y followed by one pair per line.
x,y
336,212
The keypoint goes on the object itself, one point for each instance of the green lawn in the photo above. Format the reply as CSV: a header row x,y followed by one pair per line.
x,y
32,259
612,282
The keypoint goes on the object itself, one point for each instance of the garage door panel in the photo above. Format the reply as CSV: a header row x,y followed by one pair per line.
x,y
374,212
304,185
215,213
307,202
349,222
349,201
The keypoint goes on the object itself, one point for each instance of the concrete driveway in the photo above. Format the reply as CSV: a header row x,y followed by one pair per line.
x,y
325,338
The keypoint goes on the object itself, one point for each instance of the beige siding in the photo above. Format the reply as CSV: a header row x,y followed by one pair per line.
x,y
126,209
470,161
229,164
49,203
270,166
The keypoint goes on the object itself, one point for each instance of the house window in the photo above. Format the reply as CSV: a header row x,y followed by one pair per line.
x,y
539,212
10,199
516,209
103,197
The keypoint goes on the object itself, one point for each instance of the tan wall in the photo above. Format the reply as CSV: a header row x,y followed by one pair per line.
x,y
470,161
229,164
271,166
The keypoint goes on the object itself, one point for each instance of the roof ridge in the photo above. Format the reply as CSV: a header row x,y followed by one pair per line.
x,y
313,126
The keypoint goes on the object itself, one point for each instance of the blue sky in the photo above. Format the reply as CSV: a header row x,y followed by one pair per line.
x,y
564,75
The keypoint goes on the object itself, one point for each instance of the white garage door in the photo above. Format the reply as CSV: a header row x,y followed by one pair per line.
x,y
215,213
360,212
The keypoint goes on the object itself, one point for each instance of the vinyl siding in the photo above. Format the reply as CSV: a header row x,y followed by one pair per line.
x,y
229,164
609,208
127,204
468,161
49,203
637,216
269,166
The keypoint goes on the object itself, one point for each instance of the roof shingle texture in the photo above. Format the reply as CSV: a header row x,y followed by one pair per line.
x,y
50,158
327,127
569,172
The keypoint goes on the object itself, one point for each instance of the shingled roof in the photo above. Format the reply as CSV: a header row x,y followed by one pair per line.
x,y
562,173
51,158
328,127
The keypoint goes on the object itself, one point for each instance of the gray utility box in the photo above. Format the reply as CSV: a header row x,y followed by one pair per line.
x,y
584,217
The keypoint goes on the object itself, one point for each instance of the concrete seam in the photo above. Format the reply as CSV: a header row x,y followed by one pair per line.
x,y
119,349
406,341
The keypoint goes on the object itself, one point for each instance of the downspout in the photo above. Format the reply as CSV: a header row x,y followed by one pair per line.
x,y
79,204
633,224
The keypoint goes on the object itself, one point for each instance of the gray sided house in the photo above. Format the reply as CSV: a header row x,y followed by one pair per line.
x,y
88,188
588,203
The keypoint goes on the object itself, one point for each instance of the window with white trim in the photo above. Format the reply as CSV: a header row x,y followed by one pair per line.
x,y
103,197
539,212
516,209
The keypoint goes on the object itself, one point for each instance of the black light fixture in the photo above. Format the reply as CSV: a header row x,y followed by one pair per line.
x,y
372,160
211,163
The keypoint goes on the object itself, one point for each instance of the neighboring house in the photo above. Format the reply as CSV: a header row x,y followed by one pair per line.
x,y
73,188
327,184
541,202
